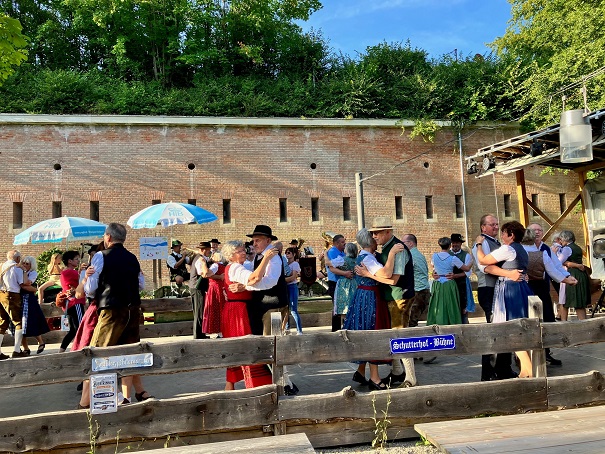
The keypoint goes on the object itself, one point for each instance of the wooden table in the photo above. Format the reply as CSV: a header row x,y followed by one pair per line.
x,y
580,430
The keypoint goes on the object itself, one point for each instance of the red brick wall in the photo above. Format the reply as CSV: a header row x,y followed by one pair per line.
x,y
125,166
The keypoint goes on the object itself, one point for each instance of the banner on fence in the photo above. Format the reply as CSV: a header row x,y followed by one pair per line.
x,y
122,362
423,344
103,393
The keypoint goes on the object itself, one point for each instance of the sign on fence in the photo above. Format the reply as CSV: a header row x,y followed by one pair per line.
x,y
103,393
122,362
423,344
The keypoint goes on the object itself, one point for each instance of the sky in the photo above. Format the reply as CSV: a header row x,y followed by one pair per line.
x,y
436,26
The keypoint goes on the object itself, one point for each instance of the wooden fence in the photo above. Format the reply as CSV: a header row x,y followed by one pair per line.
x,y
328,419
175,328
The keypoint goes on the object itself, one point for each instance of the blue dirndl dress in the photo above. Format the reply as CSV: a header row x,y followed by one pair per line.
x,y
510,297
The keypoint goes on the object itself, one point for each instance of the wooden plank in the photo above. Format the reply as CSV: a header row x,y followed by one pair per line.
x,y
220,410
434,402
517,433
575,390
176,316
147,305
568,334
471,339
186,355
566,440
294,443
561,218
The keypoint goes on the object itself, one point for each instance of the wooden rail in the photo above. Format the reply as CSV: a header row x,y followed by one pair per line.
x,y
327,419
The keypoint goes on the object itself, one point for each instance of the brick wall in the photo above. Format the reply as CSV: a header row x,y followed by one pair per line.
x,y
126,162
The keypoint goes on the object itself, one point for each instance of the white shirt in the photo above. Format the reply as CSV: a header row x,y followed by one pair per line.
x,y
294,266
467,261
12,278
504,253
198,264
240,273
370,262
486,251
171,261
92,283
272,273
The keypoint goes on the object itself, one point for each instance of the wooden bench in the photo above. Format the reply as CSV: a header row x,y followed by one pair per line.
x,y
295,443
578,430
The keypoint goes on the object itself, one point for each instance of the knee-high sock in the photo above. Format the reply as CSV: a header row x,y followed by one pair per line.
x,y
410,371
18,339
397,367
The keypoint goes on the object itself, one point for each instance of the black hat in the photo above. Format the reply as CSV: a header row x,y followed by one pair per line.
x,y
214,240
294,241
263,230
456,238
175,243
204,245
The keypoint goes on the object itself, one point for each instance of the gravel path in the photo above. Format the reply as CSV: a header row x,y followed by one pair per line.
x,y
396,447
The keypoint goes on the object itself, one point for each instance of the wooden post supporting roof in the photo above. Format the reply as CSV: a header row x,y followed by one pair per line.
x,y
581,183
522,197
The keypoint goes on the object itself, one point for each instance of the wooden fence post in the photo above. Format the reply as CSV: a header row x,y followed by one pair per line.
x,y
278,371
538,357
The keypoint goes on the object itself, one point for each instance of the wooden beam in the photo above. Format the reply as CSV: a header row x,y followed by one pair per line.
x,y
587,331
219,410
471,339
539,212
522,197
561,218
589,167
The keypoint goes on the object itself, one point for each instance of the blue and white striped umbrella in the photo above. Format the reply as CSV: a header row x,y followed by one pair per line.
x,y
58,229
168,214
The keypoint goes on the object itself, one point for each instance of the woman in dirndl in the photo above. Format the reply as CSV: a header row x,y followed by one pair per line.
x,y
368,311
444,307
234,319
577,296
215,296
510,262
34,322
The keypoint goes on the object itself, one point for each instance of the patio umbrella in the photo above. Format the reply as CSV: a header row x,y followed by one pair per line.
x,y
169,214
58,229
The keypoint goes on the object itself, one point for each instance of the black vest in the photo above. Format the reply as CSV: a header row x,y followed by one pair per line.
x,y
181,270
276,296
404,287
119,280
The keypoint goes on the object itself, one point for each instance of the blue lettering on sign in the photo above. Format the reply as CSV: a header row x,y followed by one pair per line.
x,y
423,344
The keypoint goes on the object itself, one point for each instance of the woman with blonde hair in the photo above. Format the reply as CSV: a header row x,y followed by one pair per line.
x,y
54,268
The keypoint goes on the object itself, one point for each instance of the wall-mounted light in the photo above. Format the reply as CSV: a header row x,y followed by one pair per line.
x,y
575,137
488,163
471,167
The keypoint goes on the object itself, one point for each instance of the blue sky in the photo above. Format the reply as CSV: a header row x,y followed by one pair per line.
x,y
437,26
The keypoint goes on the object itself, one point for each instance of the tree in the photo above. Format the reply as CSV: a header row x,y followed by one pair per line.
x,y
13,46
548,45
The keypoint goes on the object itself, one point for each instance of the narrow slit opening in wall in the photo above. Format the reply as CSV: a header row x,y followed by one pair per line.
x,y
226,211
94,210
314,209
17,215
398,207
428,202
459,207
57,209
507,210
283,209
534,200
562,202
346,208
156,201
192,202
